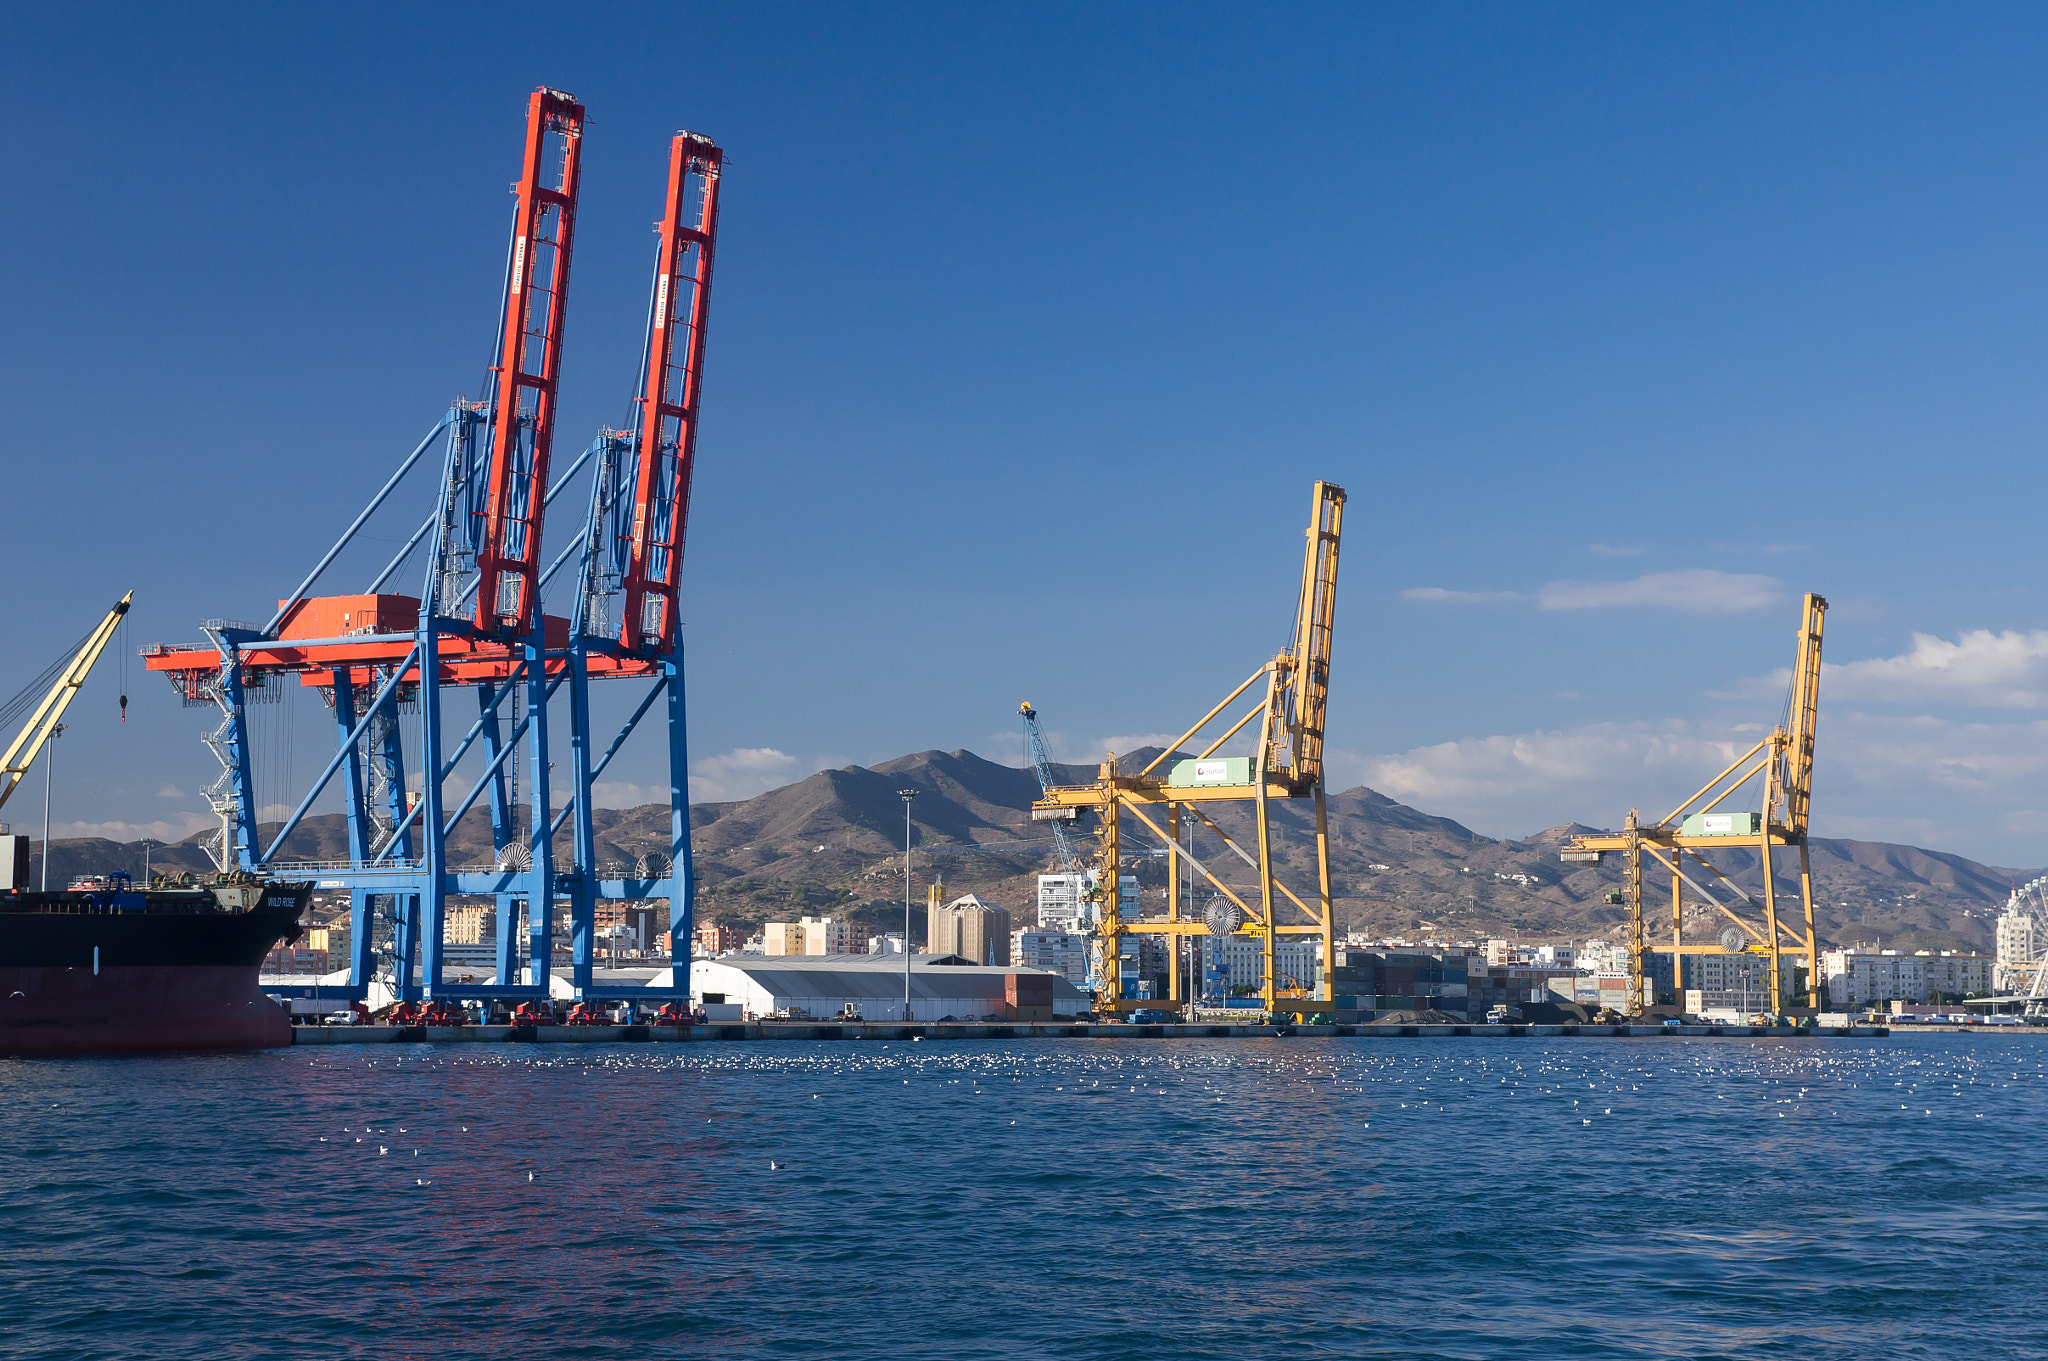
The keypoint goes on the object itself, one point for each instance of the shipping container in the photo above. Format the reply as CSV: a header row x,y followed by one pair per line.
x,y
1723,824
1213,770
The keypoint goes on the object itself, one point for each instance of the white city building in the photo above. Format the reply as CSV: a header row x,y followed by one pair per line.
x,y
1857,976
1733,986
2017,951
1244,959
1061,906
1055,951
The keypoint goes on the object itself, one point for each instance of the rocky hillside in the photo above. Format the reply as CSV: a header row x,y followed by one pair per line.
x,y
833,843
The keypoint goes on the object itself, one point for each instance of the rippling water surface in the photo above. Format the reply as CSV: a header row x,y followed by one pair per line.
x,y
1133,1199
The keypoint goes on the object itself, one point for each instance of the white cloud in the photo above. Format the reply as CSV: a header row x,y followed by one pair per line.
x,y
1585,774
742,773
1918,778
1442,595
626,794
1697,590
170,791
174,828
2006,670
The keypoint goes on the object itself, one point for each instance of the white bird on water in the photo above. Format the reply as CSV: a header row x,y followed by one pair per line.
x,y
529,1176
381,1150
774,1167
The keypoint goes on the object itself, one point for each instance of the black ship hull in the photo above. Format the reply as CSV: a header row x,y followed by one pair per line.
x,y
98,973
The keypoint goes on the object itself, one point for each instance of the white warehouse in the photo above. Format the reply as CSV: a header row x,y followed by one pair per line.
x,y
941,986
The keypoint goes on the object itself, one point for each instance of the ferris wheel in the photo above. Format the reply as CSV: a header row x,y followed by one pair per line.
x,y
2030,900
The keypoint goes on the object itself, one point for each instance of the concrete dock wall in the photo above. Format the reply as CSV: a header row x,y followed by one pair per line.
x,y
831,1030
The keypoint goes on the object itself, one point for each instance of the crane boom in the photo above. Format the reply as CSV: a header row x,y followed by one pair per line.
x,y
665,437
35,734
1070,860
523,413
1305,688
1805,716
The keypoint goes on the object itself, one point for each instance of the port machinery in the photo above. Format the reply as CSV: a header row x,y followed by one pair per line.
x,y
478,622
58,686
1286,763
1783,764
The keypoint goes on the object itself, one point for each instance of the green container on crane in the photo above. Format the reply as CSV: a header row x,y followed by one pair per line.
x,y
1212,770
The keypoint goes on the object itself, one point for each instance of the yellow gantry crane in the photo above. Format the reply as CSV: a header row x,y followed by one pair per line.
x,y
1287,763
1784,761
36,733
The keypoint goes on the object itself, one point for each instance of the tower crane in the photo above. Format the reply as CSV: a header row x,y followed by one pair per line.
x,y
1060,819
48,716
1784,762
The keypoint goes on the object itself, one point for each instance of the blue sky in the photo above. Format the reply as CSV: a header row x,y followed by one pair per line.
x,y
1622,326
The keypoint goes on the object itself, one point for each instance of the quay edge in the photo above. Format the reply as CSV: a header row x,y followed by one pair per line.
x,y
1039,1030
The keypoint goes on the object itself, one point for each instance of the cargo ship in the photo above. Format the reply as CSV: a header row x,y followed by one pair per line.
x,y
105,968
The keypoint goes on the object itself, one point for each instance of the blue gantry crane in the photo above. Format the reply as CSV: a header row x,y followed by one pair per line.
x,y
378,657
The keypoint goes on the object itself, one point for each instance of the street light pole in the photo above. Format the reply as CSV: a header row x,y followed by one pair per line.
x,y
49,764
906,795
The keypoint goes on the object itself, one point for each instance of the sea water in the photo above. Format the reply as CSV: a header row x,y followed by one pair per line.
x,y
1653,1197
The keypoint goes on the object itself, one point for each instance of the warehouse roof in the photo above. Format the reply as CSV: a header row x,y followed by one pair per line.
x,y
877,976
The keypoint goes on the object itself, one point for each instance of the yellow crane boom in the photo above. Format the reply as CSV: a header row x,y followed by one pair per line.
x,y
35,734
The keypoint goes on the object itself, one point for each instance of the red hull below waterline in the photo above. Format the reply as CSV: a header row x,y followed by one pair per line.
x,y
138,1009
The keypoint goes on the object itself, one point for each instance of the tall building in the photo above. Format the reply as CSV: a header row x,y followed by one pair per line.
x,y
970,926
471,924
2017,950
1061,907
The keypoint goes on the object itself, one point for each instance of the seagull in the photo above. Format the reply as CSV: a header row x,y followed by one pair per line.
x,y
529,1176
381,1150
774,1167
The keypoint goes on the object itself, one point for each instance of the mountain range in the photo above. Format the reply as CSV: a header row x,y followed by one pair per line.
x,y
833,844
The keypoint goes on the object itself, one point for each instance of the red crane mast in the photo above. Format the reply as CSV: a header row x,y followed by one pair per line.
x,y
666,440
523,416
